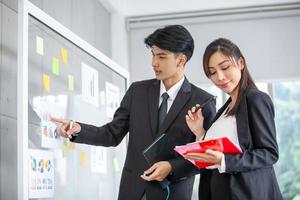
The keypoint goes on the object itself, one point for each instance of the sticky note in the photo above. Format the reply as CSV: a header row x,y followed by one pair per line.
x,y
65,150
46,82
71,82
72,145
83,159
39,45
64,55
55,66
116,164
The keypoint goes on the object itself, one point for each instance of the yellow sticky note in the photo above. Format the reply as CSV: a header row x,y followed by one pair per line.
x,y
83,159
72,145
55,66
46,82
39,45
71,82
116,164
64,55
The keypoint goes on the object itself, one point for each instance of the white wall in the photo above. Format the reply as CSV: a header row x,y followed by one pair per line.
x,y
119,34
123,37
269,41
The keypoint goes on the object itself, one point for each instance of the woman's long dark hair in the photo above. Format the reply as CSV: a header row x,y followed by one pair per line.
x,y
231,50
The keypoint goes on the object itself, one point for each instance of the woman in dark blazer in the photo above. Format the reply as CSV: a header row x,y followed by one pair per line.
x,y
247,118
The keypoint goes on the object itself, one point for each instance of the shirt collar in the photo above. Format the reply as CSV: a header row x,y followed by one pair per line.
x,y
173,91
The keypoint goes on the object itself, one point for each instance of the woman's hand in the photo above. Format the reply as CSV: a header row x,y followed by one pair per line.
x,y
209,156
194,120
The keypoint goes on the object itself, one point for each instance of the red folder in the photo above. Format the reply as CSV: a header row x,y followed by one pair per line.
x,y
223,144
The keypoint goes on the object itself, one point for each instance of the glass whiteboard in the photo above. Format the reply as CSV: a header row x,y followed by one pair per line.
x,y
65,80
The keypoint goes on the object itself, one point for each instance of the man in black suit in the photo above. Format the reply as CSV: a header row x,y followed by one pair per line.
x,y
140,114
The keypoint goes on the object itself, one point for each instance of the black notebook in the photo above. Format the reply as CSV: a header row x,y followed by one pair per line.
x,y
160,150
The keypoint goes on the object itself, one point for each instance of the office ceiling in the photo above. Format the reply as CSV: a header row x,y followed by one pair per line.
x,y
152,7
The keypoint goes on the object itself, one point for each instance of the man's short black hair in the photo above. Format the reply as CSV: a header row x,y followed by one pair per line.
x,y
174,38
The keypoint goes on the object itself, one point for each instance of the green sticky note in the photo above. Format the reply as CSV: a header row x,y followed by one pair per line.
x,y
55,66
71,82
65,150
116,164
39,45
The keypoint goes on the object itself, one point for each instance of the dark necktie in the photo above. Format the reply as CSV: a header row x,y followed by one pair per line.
x,y
162,111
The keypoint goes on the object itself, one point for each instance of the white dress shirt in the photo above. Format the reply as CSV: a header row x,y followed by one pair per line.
x,y
172,92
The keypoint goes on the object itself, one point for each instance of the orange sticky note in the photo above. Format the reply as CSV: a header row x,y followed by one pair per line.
x,y
64,55
46,82
83,159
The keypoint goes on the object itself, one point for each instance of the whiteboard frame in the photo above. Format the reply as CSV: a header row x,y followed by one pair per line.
x,y
26,9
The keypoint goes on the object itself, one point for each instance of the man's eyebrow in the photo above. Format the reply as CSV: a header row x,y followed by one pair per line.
x,y
159,54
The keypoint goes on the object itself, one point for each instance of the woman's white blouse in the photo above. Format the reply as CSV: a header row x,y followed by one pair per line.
x,y
224,126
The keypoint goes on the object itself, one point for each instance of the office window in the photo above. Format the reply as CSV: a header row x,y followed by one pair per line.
x,y
212,89
286,97
263,86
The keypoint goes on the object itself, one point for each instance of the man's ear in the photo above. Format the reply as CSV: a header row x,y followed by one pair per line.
x,y
181,59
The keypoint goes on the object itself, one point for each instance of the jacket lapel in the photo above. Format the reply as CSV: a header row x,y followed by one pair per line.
x,y
243,124
184,94
153,99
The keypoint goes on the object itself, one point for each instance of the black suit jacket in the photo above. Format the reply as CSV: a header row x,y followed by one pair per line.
x,y
137,114
251,174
